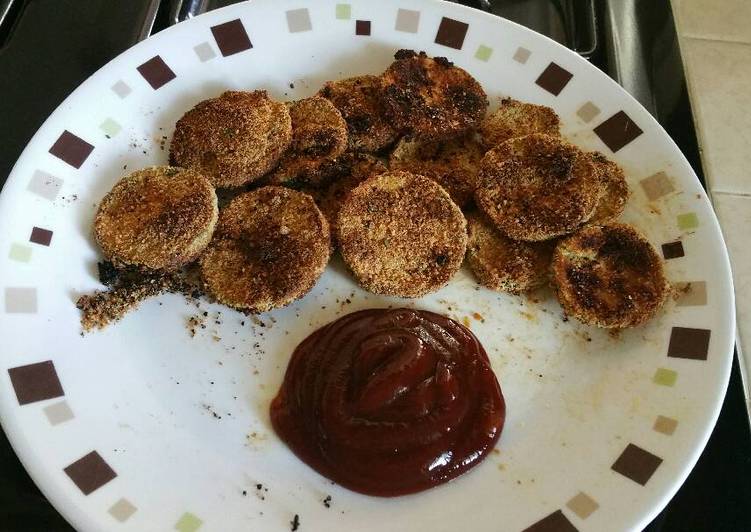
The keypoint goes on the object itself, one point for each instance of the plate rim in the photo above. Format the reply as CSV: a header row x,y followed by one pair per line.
x,y
79,519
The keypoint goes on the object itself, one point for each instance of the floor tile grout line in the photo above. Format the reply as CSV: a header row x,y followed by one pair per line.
x,y
714,39
720,192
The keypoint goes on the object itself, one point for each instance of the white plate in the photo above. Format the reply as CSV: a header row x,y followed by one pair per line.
x,y
599,434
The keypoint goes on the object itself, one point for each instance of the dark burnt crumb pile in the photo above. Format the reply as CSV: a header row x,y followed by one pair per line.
x,y
379,166
127,287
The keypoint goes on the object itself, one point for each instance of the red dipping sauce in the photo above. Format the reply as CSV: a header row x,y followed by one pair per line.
x,y
390,401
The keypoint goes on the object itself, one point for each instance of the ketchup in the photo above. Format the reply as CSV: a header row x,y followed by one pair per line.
x,y
389,402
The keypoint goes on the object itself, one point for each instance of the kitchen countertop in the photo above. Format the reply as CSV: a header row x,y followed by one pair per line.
x,y
715,42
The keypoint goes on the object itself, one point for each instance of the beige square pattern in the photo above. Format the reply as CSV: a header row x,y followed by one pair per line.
x,y
58,413
122,510
657,186
588,112
45,185
665,425
407,20
582,505
20,300
204,51
719,75
121,89
691,293
298,20
522,55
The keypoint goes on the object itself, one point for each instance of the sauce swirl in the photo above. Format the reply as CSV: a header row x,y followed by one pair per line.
x,y
390,401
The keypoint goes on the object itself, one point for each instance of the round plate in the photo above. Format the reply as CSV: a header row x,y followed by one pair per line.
x,y
143,427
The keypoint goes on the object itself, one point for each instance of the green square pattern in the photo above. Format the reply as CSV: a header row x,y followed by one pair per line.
x,y
343,11
665,377
483,53
110,127
188,523
19,253
688,220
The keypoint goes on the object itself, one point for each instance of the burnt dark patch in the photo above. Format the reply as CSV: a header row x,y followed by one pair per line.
x,y
108,273
359,123
405,54
443,62
466,101
626,250
322,142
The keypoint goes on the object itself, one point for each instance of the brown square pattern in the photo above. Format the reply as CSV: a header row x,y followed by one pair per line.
x,y
637,464
555,522
35,382
451,33
554,78
617,131
156,72
689,343
71,149
362,27
90,472
673,250
40,236
231,37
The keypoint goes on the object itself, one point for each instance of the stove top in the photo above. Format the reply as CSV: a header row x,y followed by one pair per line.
x,y
48,47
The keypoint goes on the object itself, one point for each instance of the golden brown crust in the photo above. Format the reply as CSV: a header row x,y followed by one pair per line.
x,y
359,101
537,187
271,246
453,164
430,98
503,264
609,276
615,190
400,234
319,134
517,119
158,218
233,139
